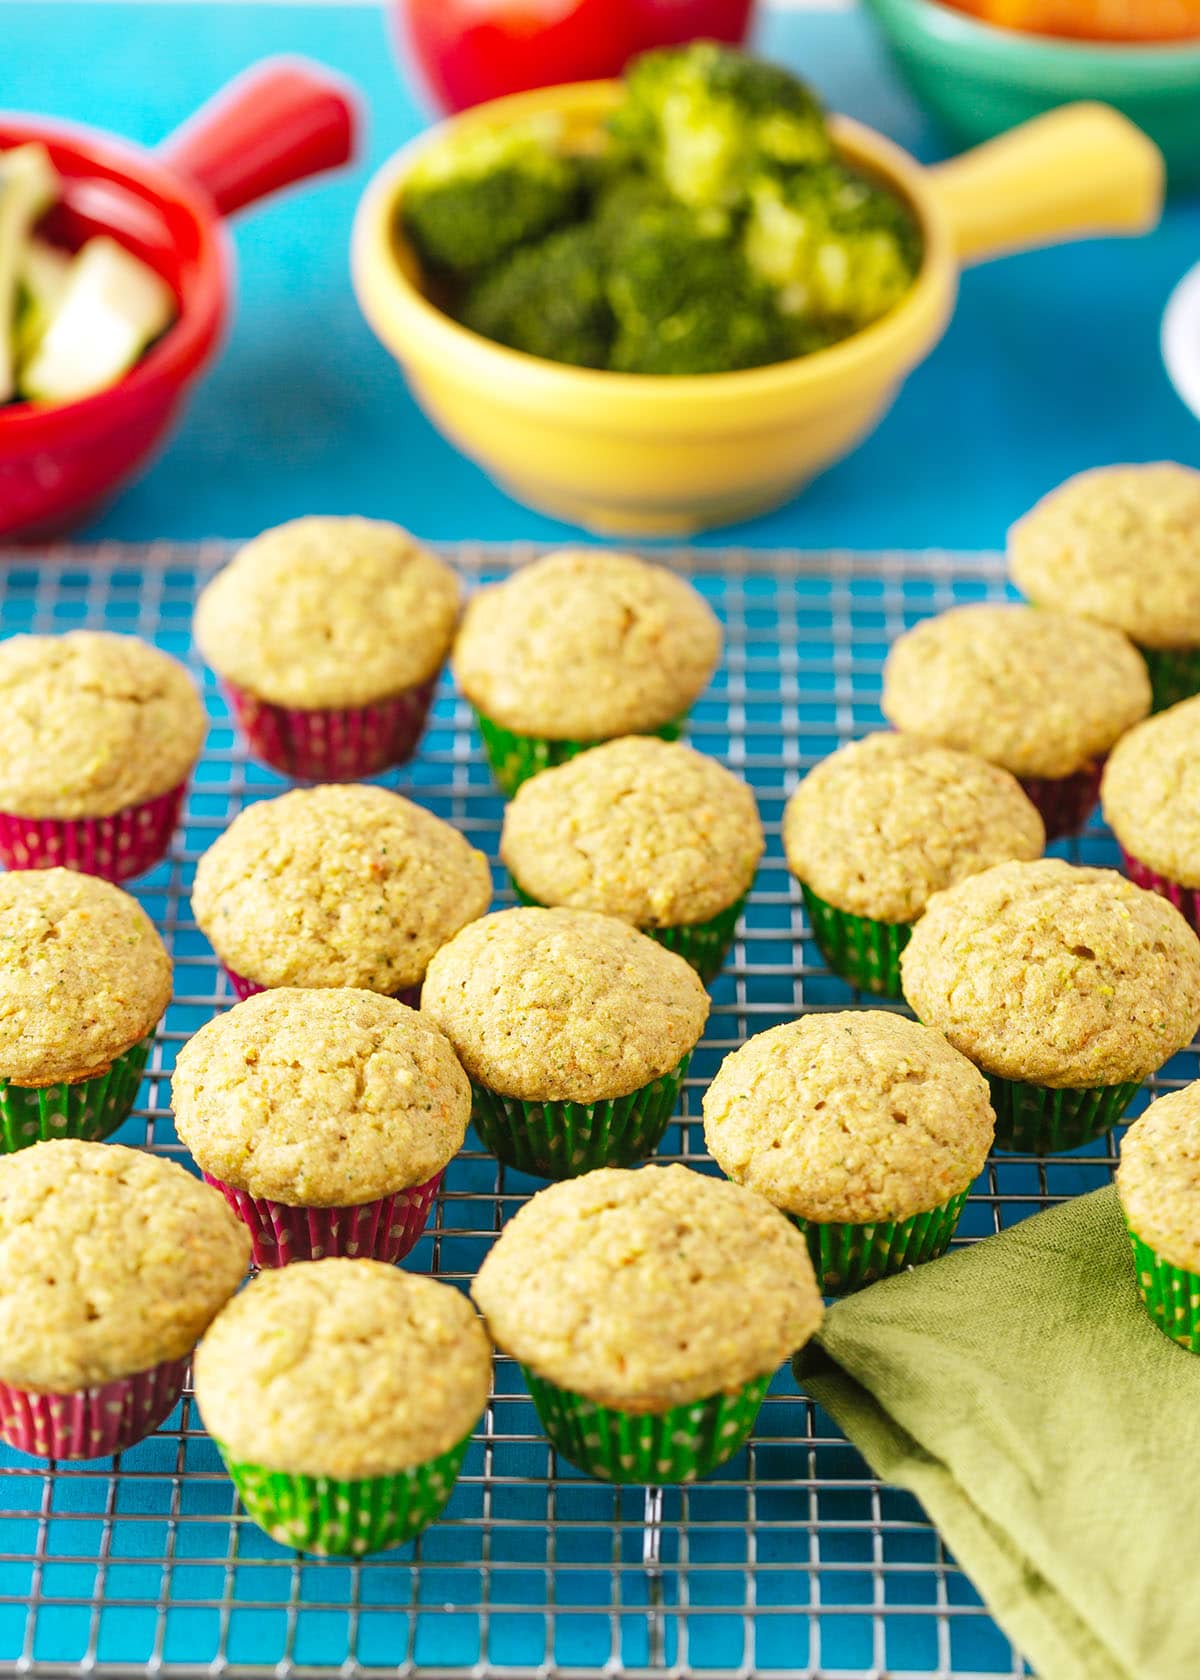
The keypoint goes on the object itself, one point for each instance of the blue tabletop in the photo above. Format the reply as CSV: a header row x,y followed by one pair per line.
x,y
1051,364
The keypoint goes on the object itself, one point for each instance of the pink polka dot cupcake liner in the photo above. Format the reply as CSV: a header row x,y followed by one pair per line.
x,y
92,1422
117,847
1065,802
1185,899
243,989
334,746
386,1229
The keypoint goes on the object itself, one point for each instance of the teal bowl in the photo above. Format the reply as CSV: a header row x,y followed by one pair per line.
x,y
977,81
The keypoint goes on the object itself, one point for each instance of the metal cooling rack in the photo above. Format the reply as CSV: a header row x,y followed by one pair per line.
x,y
792,1559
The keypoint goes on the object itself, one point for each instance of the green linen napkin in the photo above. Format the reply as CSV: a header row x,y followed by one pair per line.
x,y
1051,1432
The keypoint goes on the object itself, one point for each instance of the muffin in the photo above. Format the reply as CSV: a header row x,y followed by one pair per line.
x,y
84,982
342,1395
1121,545
101,733
336,886
865,1128
1158,1182
329,636
576,1031
112,1264
1042,695
647,831
1066,987
1151,797
882,824
578,648
648,1311
326,1119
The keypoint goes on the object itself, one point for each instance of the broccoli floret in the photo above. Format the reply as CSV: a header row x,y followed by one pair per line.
x,y
476,196
841,249
547,299
706,119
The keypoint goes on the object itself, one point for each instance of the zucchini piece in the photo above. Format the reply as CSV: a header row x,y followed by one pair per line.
x,y
42,284
29,185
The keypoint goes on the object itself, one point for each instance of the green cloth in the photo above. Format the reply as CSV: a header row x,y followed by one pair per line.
x,y
1052,1433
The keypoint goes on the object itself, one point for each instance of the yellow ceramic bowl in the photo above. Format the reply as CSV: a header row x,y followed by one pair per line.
x,y
634,454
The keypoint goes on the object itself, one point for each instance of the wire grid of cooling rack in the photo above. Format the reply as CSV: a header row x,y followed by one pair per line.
x,y
792,1559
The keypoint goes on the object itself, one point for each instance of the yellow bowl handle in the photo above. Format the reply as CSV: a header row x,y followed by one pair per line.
x,y
1076,172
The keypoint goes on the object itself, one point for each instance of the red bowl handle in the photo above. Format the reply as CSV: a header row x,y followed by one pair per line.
x,y
282,121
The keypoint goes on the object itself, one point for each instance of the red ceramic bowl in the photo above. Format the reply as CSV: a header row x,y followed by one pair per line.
x,y
279,123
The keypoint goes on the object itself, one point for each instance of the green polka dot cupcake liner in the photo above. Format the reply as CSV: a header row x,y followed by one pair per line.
x,y
92,1108
848,1256
1170,1294
336,1518
678,1445
1037,1120
566,1139
858,948
704,945
515,758
1174,675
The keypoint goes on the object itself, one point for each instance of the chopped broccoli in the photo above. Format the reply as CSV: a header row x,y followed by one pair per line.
x,y
547,299
478,195
706,119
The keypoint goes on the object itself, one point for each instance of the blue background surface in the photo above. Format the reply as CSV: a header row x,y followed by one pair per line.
x,y
1051,364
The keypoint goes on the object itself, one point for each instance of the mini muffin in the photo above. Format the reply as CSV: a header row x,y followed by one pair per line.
x,y
101,733
866,1128
342,1395
1121,545
336,886
1042,695
882,824
578,648
1067,987
1158,1182
83,984
648,1311
329,635
326,1118
113,1263
1151,795
645,830
576,1031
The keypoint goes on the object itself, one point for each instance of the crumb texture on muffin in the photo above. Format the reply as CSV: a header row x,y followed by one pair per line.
x,y
93,722
585,645
329,612
1038,693
344,1368
1158,1179
647,830
1120,545
1056,975
84,977
1151,793
882,824
337,886
563,1005
645,1290
111,1260
860,1115
320,1097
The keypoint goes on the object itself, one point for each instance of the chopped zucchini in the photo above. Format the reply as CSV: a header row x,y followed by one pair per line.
x,y
45,271
29,185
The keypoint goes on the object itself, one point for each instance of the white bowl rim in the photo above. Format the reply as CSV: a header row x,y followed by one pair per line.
x,y
1181,339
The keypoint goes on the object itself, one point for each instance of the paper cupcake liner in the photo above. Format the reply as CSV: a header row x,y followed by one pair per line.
x,y
334,745
386,1229
93,1422
565,1139
1036,1120
336,1518
92,1108
847,1256
514,758
640,1447
704,945
858,948
117,847
1171,1295
1185,899
1174,675
1065,803
243,989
